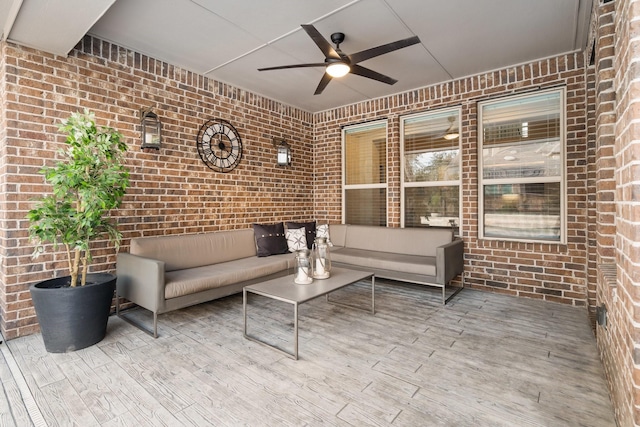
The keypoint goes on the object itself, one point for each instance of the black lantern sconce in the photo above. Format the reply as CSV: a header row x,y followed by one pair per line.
x,y
151,130
284,151
601,315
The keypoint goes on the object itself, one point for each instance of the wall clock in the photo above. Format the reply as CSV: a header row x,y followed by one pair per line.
x,y
219,145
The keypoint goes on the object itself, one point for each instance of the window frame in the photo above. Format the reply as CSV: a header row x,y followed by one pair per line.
x,y
423,184
384,185
561,178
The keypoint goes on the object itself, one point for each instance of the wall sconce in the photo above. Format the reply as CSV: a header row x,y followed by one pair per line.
x,y
284,151
601,315
151,130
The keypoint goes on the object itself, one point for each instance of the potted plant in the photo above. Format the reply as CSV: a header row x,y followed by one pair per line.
x,y
88,182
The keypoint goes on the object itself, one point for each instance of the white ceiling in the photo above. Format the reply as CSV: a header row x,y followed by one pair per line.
x,y
228,40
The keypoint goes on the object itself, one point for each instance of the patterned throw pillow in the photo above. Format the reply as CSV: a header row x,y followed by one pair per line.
x,y
270,239
323,231
296,239
310,226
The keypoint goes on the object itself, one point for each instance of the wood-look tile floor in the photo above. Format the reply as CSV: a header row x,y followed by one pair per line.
x,y
481,360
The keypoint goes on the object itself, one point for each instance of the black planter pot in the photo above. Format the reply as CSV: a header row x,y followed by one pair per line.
x,y
73,318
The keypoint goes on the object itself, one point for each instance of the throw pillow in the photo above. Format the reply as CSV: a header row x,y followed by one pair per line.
x,y
296,239
323,231
270,239
310,227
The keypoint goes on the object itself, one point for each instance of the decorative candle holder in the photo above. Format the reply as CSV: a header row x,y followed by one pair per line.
x,y
303,274
321,259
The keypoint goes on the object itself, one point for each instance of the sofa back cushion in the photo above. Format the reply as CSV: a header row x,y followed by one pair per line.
x,y
196,250
410,241
337,234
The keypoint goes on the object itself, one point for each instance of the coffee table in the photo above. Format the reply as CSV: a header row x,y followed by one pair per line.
x,y
284,289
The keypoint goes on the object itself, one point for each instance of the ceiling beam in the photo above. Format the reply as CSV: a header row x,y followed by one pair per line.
x,y
55,26
10,14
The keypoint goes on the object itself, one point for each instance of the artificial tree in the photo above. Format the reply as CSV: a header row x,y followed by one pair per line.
x,y
89,181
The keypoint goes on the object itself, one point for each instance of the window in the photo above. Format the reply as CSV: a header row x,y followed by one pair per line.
x,y
431,169
522,151
365,174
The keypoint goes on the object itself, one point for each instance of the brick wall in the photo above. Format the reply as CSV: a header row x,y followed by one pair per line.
x,y
171,191
605,196
592,176
551,272
592,170
3,175
605,122
618,213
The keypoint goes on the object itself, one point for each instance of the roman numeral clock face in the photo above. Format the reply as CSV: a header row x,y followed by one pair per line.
x,y
219,145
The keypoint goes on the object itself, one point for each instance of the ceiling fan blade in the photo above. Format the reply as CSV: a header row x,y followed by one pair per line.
x,y
282,67
323,83
365,72
382,49
321,42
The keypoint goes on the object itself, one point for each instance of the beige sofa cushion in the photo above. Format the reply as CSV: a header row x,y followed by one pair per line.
x,y
196,250
409,241
414,264
337,234
197,279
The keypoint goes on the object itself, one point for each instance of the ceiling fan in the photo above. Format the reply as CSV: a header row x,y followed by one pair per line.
x,y
338,64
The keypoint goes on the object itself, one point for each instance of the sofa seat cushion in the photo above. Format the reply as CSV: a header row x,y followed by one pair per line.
x,y
197,279
415,264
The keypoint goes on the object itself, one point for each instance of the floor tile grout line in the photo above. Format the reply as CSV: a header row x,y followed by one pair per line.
x,y
30,403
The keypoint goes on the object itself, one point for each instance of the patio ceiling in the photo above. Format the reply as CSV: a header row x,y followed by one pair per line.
x,y
229,40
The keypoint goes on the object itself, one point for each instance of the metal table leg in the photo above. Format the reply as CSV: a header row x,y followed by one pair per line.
x,y
373,299
295,331
293,355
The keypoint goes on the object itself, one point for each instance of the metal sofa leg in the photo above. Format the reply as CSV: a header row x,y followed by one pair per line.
x,y
155,325
153,332
458,289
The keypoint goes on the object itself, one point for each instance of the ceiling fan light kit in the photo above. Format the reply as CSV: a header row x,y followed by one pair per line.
x,y
339,64
338,69
451,133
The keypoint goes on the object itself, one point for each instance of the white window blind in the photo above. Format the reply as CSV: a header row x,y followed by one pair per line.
x,y
431,169
521,167
365,174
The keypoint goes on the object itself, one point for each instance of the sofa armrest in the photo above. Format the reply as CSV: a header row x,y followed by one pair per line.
x,y
449,261
140,280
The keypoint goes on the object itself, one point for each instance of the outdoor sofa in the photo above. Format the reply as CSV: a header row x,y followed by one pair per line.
x,y
165,273
426,256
